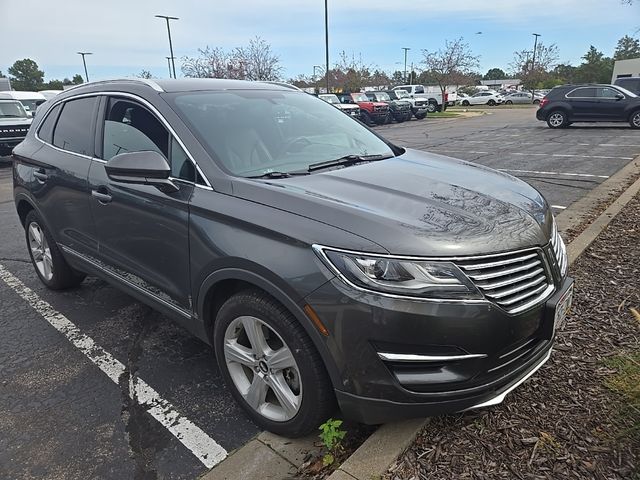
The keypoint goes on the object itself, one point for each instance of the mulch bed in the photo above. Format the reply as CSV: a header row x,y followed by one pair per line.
x,y
563,423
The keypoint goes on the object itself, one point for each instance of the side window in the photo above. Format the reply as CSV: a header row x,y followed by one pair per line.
x,y
407,89
45,132
130,127
73,129
419,89
604,92
586,92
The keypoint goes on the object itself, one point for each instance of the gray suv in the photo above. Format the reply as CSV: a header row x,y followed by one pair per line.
x,y
324,264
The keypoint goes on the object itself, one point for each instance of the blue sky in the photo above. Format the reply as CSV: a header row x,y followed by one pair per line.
x,y
126,38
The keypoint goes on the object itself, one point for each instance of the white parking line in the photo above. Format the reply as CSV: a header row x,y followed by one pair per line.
x,y
563,174
559,207
568,155
207,450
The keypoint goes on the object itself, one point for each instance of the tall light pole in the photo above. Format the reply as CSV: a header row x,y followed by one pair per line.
x,y
326,42
169,64
167,18
86,75
533,61
406,49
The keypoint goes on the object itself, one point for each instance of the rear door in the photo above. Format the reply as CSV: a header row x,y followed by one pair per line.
x,y
60,170
143,232
584,104
610,103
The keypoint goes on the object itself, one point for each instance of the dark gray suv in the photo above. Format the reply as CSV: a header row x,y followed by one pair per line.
x,y
322,262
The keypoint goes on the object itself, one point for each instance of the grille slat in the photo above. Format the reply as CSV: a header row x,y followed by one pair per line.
x,y
559,251
514,281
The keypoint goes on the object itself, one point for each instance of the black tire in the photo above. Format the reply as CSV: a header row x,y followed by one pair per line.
x,y
557,119
318,402
420,116
536,102
432,107
634,119
366,118
508,102
401,118
465,103
491,103
62,276
388,119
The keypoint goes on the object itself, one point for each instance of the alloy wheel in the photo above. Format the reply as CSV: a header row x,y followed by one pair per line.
x,y
40,251
556,119
636,119
263,368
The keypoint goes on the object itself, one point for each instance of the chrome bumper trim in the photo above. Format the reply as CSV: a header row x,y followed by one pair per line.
x,y
408,357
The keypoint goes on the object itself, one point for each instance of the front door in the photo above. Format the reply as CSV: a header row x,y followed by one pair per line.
x,y
143,233
611,105
584,104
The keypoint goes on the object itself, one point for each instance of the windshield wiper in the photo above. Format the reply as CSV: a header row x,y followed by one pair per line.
x,y
347,160
279,174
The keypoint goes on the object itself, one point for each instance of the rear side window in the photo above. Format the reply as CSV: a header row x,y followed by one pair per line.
x,y
46,129
73,129
606,92
419,89
585,92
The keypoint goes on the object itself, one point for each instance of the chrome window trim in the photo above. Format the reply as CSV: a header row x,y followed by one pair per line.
x,y
181,311
410,357
144,102
146,81
566,95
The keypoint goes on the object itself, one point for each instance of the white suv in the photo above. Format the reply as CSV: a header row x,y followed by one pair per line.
x,y
483,98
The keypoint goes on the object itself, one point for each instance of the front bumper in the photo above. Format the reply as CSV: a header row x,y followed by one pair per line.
x,y
490,351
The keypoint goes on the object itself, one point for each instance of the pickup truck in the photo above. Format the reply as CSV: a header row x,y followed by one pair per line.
x,y
418,105
370,112
434,98
14,124
349,109
399,110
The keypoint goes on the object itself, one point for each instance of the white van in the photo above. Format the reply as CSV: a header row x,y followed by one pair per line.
x,y
29,100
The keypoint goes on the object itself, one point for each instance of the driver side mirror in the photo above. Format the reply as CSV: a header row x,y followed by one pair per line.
x,y
619,96
141,168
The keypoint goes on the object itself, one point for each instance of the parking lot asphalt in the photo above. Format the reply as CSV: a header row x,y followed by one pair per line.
x,y
63,416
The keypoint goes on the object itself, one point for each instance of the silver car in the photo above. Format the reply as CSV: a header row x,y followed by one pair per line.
x,y
521,97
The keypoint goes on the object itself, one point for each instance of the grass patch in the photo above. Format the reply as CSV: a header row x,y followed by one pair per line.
x,y
626,382
442,115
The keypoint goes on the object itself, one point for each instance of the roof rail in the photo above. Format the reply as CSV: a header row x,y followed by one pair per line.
x,y
146,81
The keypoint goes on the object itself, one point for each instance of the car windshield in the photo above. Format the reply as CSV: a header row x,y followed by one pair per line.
x,y
383,97
330,98
32,104
401,93
360,97
257,132
12,110
628,93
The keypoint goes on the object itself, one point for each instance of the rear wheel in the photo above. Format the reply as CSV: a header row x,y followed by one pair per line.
x,y
465,103
491,103
536,102
634,119
557,119
51,267
508,102
271,366
432,107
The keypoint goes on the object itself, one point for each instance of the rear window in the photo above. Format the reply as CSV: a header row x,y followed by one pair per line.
x,y
73,130
582,92
632,84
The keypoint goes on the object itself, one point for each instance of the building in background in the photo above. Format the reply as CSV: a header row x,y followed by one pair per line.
x,y
626,68
502,84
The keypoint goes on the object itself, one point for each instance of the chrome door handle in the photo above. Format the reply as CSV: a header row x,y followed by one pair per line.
x,y
101,197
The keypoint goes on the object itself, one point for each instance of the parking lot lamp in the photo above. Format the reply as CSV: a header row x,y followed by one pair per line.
x,y
169,64
173,64
86,75
533,61
406,49
326,42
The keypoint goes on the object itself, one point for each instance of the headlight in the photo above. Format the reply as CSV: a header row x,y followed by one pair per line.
x,y
398,276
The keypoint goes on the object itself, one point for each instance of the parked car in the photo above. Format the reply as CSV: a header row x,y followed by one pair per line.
x,y
434,99
49,94
348,108
630,83
521,98
399,110
371,113
490,98
322,262
418,105
589,103
14,124
461,98
29,100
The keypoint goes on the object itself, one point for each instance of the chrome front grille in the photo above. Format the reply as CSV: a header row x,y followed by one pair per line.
x,y
559,251
515,281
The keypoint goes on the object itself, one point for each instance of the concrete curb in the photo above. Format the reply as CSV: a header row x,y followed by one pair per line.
x,y
372,459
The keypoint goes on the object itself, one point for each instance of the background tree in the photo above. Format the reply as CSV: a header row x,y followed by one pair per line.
x,y
596,68
76,80
144,74
25,75
628,47
2,75
259,61
397,78
495,74
451,65
532,76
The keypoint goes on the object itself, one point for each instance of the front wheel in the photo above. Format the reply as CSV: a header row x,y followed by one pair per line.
x,y
465,103
431,108
420,116
366,119
271,365
508,102
634,119
557,119
491,103
51,267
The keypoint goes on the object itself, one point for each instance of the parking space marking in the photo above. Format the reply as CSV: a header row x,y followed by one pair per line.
x,y
559,207
568,155
562,174
207,450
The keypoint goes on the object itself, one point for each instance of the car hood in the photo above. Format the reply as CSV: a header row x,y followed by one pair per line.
x,y
11,121
418,204
346,106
